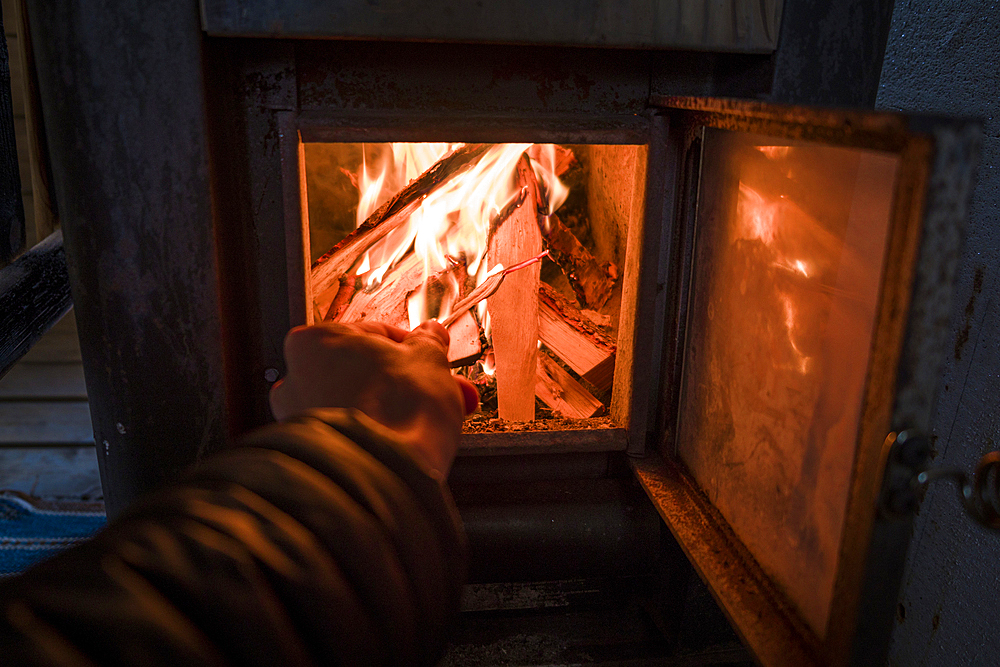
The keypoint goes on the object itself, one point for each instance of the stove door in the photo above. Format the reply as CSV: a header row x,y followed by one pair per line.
x,y
811,267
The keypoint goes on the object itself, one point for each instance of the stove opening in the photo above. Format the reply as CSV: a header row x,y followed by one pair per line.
x,y
517,248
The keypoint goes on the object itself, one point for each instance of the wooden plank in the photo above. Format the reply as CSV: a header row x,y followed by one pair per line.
x,y
60,344
51,472
513,308
44,381
12,231
41,423
561,392
601,439
34,294
563,329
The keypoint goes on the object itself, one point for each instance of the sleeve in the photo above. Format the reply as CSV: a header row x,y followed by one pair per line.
x,y
316,541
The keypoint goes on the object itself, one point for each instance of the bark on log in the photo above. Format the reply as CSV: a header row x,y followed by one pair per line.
x,y
580,344
514,307
330,267
561,392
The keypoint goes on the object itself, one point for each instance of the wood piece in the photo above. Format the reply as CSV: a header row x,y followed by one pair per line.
x,y
591,281
387,303
465,344
34,294
45,423
561,392
330,267
11,205
572,338
39,381
513,308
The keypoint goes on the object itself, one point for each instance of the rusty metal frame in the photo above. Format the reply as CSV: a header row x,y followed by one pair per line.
x,y
631,409
935,180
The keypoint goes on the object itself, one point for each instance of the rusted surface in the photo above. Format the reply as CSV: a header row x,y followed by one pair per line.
x,y
784,295
486,80
763,617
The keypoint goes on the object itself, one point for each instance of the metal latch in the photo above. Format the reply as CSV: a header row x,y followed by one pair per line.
x,y
907,476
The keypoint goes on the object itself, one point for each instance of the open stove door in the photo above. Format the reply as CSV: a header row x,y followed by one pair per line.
x,y
809,273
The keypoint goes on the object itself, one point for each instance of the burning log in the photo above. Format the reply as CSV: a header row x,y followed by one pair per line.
x,y
513,308
329,268
558,390
581,345
591,282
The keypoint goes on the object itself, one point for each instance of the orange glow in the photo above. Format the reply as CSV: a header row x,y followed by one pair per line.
x,y
451,225
770,220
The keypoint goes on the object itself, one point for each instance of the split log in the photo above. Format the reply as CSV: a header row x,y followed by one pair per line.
x,y
465,347
561,392
581,345
387,303
328,269
591,282
513,308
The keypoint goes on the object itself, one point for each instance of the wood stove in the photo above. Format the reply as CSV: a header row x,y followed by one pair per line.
x,y
785,275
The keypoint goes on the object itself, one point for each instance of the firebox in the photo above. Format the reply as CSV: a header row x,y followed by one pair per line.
x,y
712,318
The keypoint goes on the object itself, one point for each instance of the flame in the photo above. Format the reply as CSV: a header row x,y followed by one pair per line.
x,y
774,152
450,228
768,220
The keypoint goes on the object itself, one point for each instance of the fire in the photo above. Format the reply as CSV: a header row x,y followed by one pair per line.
x,y
770,220
450,228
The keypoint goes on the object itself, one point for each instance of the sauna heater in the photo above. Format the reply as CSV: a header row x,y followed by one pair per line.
x,y
741,305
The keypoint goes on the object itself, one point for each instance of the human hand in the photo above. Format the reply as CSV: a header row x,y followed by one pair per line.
x,y
398,378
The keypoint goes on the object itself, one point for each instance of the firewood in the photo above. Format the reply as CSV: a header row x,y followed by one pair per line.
x,y
561,392
465,347
330,267
387,303
513,308
590,281
564,157
580,344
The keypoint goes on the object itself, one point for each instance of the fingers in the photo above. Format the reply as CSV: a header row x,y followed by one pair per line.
x,y
430,331
469,394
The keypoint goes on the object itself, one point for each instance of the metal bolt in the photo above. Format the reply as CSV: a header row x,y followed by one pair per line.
x,y
271,375
120,427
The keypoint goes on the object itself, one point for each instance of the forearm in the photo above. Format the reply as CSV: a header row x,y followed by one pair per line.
x,y
315,540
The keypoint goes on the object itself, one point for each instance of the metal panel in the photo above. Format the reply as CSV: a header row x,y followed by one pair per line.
x,y
937,160
122,97
749,26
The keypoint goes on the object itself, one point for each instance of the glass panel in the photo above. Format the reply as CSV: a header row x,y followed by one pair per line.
x,y
788,261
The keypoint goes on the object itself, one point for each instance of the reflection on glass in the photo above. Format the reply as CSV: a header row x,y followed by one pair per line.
x,y
788,261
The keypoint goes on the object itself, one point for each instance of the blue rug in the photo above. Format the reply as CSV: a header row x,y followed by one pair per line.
x,y
32,530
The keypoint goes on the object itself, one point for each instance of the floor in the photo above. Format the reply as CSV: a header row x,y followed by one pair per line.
x,y
46,440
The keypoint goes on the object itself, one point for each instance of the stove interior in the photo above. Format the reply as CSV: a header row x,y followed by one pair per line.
x,y
518,248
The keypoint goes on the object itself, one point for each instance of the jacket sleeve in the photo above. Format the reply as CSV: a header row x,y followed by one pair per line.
x,y
316,541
